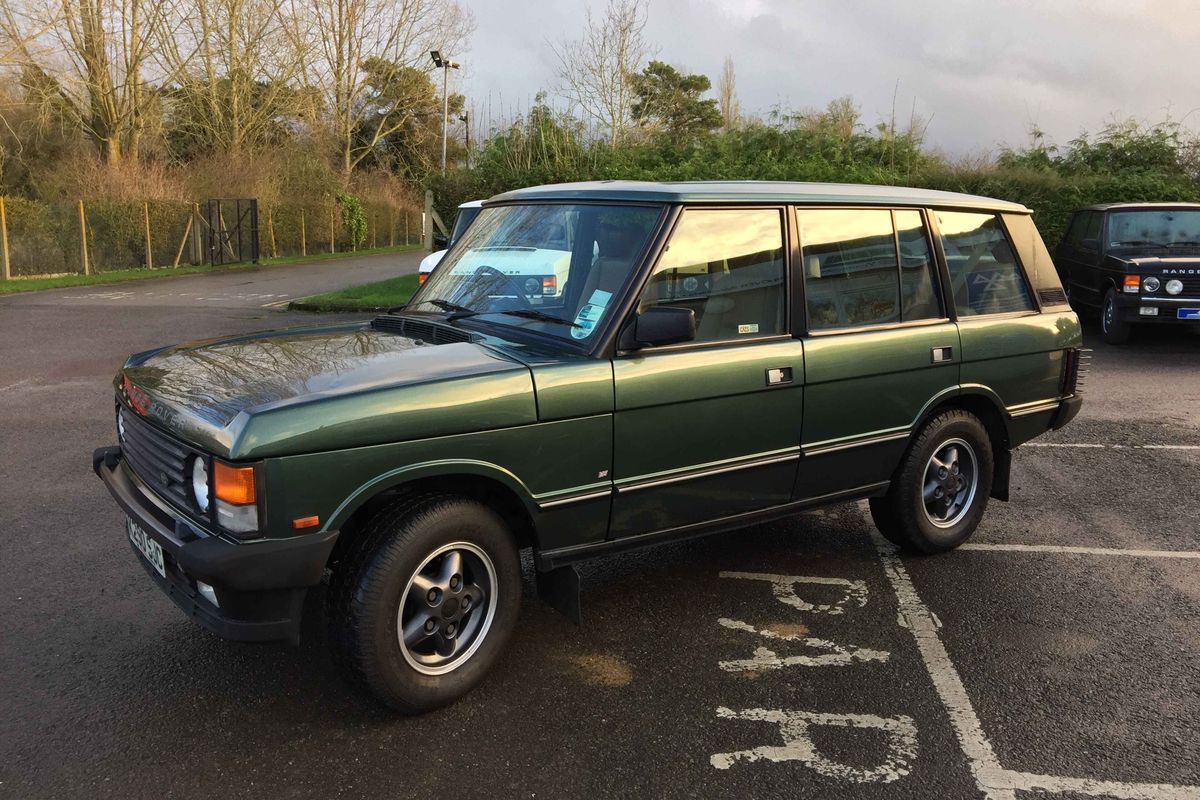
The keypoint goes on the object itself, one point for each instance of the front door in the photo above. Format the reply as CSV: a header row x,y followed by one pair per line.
x,y
711,428
881,346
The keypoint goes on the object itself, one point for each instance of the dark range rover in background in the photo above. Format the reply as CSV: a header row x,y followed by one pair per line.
x,y
1135,263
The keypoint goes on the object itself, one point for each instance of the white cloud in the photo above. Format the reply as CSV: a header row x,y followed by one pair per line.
x,y
985,71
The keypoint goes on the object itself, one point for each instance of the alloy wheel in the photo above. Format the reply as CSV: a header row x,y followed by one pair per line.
x,y
951,478
447,608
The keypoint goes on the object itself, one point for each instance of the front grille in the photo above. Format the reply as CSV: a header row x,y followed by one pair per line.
x,y
159,460
1191,284
428,332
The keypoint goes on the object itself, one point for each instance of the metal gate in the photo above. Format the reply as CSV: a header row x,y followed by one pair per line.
x,y
231,231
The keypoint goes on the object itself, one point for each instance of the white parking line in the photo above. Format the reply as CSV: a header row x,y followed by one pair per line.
x,y
996,782
15,385
1086,551
1091,446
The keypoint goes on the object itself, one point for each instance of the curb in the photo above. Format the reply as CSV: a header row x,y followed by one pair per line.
x,y
334,308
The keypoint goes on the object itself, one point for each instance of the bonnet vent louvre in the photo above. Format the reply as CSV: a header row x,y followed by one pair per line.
x,y
1052,297
428,332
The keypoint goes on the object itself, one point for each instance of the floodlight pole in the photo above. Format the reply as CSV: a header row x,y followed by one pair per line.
x,y
446,65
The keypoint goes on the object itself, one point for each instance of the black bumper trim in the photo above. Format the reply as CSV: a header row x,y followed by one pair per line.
x,y
1066,412
260,585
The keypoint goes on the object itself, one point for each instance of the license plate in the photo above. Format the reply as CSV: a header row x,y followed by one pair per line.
x,y
1188,313
151,549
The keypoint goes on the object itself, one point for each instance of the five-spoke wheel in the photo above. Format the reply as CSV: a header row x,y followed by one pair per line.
x,y
447,608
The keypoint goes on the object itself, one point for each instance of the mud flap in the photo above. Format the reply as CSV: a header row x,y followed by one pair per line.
x,y
559,589
1001,470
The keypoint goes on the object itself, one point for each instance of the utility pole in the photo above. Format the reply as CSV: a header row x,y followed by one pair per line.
x,y
445,65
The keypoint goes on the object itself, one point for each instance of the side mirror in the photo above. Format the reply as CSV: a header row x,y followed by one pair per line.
x,y
658,326
440,242
1091,245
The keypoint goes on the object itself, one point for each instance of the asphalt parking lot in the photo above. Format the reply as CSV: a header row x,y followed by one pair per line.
x,y
1057,655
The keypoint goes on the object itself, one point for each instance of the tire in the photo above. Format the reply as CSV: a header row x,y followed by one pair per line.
x,y
1112,330
902,515
410,550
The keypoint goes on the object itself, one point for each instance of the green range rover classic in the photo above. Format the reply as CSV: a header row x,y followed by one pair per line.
x,y
708,356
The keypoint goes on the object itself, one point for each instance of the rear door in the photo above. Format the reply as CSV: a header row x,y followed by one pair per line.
x,y
880,344
711,428
1007,345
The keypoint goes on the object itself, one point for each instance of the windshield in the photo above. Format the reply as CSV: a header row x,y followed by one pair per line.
x,y
550,268
1161,227
465,217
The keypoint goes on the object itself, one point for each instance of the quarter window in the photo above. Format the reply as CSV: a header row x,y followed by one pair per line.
x,y
853,273
727,266
984,275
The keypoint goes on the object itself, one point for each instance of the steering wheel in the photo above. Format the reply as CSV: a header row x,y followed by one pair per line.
x,y
496,275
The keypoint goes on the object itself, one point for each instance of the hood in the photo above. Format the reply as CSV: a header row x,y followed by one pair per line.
x,y
308,390
1169,265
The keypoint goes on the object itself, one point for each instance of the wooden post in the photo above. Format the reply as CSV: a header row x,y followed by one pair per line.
x,y
197,251
391,227
303,244
373,230
406,227
332,244
183,241
149,250
271,231
4,242
83,248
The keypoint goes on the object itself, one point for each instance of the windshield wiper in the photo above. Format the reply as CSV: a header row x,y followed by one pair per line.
x,y
446,305
540,316
1137,243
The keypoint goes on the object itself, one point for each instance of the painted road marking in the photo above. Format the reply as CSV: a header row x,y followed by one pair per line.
x,y
798,744
16,385
992,779
835,655
1089,446
1087,551
784,588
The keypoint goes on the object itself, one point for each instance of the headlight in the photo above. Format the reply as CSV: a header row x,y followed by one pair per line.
x,y
1174,287
1150,284
200,483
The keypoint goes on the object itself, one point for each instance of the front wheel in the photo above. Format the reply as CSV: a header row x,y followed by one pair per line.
x,y
1112,329
424,601
941,488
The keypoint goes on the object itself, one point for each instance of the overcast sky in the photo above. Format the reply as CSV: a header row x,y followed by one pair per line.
x,y
982,71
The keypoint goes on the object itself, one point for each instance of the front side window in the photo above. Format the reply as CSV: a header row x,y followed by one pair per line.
x,y
727,266
553,269
984,275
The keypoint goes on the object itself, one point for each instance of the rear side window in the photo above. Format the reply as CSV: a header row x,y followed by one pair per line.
x,y
853,273
727,266
984,275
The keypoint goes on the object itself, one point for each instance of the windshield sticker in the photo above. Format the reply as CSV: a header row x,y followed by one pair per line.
x,y
752,328
590,314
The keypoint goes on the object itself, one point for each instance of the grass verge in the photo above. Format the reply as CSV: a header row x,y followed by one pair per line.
x,y
378,296
123,275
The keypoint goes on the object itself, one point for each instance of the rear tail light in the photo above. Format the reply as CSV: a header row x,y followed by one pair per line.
x,y
1076,363
1132,284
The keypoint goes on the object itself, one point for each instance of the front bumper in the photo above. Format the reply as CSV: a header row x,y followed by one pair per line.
x,y
1129,308
260,586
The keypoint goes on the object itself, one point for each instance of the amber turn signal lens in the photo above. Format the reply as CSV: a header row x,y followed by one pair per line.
x,y
421,278
306,522
233,484
1132,280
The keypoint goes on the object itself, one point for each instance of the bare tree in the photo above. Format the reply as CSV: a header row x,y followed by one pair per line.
x,y
727,99
595,70
339,36
89,56
236,67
